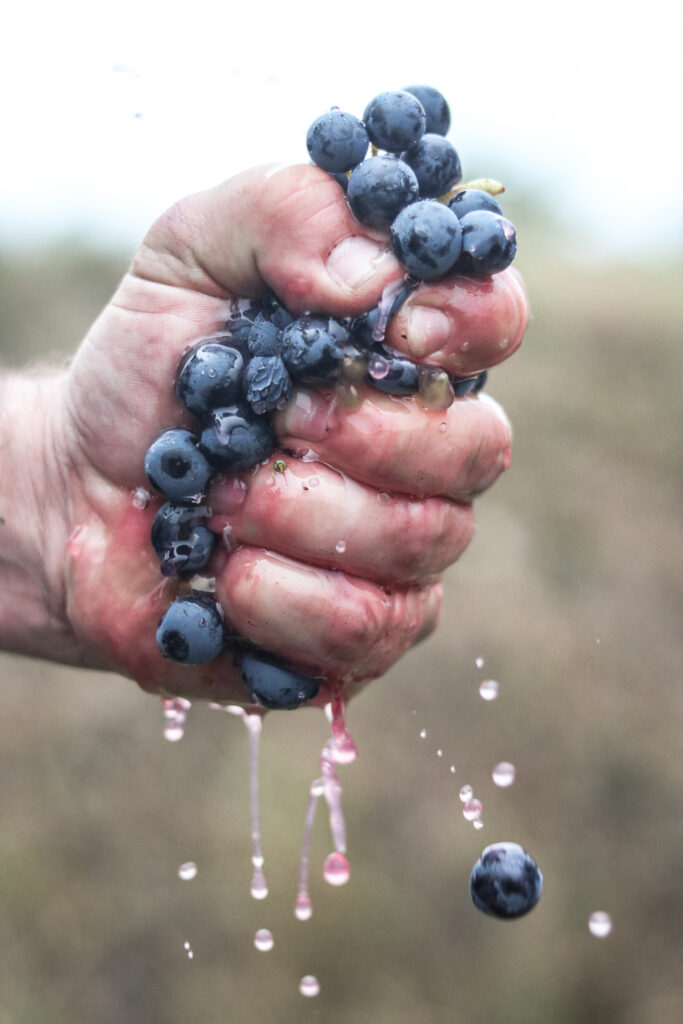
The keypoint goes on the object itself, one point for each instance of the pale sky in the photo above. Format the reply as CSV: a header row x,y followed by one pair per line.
x,y
111,112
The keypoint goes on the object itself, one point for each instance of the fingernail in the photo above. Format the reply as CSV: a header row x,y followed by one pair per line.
x,y
428,330
306,417
355,259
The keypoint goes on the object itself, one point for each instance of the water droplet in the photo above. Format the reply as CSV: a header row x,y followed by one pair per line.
x,y
479,663
478,823
466,793
423,734
340,547
309,986
263,940
313,481
472,810
384,498
488,690
378,367
188,949
439,753
443,427
336,870
186,945
600,924
141,498
303,911
452,769
187,871
504,774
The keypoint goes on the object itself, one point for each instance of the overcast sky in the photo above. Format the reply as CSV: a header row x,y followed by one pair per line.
x,y
110,112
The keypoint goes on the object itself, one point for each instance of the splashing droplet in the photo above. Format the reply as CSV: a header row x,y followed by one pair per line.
x,y
472,810
452,769
187,871
488,690
439,753
309,985
479,663
336,870
423,734
263,940
600,924
478,823
504,774
466,794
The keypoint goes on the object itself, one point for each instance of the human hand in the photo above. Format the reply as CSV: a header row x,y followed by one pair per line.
x,y
394,481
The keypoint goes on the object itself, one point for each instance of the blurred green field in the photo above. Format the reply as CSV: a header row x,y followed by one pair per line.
x,y
571,593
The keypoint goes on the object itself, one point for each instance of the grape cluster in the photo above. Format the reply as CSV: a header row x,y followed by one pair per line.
x,y
437,226
233,381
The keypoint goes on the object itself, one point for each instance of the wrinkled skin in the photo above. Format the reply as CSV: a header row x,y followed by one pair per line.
x,y
393,482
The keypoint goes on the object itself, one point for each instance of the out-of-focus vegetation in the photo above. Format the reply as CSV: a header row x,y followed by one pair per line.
x,y
571,593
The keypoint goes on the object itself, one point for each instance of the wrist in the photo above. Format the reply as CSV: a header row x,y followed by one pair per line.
x,y
35,514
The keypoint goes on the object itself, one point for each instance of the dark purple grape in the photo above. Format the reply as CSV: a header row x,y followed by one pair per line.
x,y
211,375
237,439
175,466
436,165
471,199
395,120
310,350
489,243
379,188
268,385
437,113
426,239
337,141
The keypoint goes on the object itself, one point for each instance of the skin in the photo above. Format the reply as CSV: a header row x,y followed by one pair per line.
x,y
394,482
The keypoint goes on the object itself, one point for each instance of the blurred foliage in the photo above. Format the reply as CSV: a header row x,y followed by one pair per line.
x,y
571,593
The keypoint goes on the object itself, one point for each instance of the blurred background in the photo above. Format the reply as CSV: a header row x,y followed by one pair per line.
x,y
570,596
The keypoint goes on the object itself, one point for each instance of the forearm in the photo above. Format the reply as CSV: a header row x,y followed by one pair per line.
x,y
34,517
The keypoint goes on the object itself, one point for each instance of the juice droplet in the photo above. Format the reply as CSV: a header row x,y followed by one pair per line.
x,y
600,924
478,823
175,714
336,870
436,391
340,547
488,690
303,910
378,367
309,986
230,542
384,498
466,794
259,889
263,940
443,427
472,810
187,871
504,774
141,498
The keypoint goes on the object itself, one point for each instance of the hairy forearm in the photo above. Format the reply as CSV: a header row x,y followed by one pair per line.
x,y
34,517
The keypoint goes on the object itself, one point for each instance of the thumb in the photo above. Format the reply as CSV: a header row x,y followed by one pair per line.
x,y
286,228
